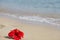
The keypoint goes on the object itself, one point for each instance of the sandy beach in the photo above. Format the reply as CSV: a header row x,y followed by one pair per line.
x,y
38,19
31,32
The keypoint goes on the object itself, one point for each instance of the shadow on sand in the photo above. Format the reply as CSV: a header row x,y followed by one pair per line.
x,y
7,37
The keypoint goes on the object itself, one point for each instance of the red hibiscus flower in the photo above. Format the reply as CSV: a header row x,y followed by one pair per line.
x,y
16,34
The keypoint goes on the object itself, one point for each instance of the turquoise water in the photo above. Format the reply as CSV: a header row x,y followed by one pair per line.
x,y
34,5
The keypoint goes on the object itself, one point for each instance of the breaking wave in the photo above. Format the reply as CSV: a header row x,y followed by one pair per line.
x,y
39,19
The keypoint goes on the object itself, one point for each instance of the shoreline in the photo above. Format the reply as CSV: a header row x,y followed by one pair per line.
x,y
32,32
32,19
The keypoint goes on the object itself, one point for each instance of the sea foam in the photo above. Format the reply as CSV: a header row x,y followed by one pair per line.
x,y
39,19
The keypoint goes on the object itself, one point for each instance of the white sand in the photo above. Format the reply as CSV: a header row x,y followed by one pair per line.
x,y
32,32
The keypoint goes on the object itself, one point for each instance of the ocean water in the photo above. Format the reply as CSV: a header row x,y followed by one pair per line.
x,y
32,5
42,6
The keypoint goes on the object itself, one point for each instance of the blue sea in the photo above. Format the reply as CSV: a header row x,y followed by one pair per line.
x,y
42,6
32,5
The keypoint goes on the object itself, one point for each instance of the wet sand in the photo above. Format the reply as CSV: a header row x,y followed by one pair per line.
x,y
31,32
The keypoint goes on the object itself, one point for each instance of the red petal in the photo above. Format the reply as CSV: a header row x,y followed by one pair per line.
x,y
16,39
